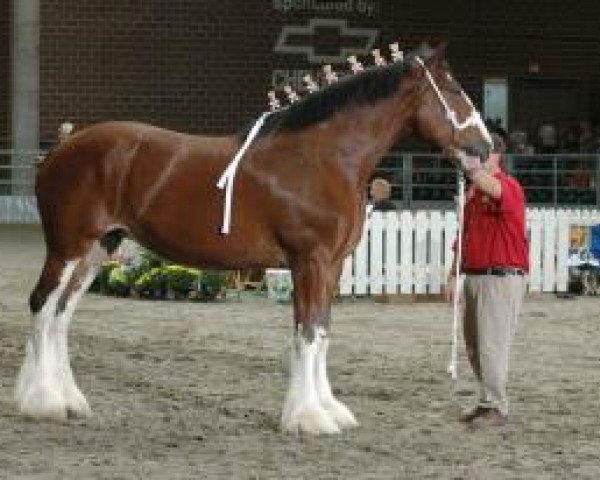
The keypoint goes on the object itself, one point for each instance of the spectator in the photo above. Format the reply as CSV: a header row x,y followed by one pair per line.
x,y
517,140
570,141
587,141
64,131
547,138
381,191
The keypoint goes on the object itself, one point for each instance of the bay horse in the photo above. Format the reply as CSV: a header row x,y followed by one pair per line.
x,y
300,197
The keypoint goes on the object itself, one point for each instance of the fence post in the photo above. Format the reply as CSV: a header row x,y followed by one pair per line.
x,y
376,265
406,263
436,247
391,253
421,225
562,250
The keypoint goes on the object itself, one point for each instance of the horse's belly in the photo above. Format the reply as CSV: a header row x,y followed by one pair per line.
x,y
213,249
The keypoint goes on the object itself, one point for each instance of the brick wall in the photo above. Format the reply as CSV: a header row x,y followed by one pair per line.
x,y
201,66
184,64
4,73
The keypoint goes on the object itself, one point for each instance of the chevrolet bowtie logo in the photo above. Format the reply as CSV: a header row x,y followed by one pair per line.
x,y
298,39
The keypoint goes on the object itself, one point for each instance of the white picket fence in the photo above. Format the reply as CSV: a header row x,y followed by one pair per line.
x,y
18,209
410,252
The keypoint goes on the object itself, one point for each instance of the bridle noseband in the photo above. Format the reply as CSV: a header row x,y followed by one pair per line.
x,y
473,120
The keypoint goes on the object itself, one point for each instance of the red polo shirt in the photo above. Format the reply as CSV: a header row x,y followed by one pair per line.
x,y
494,230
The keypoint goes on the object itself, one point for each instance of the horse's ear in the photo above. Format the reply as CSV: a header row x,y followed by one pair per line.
x,y
438,56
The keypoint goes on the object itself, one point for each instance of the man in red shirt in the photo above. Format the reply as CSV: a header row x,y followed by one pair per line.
x,y
495,260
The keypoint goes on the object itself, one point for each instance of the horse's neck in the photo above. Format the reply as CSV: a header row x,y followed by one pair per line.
x,y
366,134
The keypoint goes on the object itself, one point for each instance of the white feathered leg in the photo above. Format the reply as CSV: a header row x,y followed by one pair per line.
x,y
302,410
75,401
39,390
338,411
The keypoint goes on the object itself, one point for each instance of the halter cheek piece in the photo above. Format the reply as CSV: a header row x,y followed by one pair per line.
x,y
473,120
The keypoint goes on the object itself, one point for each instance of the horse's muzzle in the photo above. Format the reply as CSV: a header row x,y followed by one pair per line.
x,y
482,151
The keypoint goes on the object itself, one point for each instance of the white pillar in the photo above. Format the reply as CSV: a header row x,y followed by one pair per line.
x,y
25,94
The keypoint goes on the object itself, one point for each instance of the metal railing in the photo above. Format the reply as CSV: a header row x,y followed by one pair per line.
x,y
17,171
430,181
418,180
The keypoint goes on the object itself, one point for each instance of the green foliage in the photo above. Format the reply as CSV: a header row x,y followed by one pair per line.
x,y
118,281
152,277
100,283
180,281
211,284
148,259
151,283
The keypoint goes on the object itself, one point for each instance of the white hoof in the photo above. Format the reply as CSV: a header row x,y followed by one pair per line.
x,y
42,402
76,404
340,413
312,420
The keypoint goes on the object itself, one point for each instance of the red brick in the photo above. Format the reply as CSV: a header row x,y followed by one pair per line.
x,y
202,66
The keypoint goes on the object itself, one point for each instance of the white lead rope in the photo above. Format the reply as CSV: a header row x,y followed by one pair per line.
x,y
473,120
453,367
228,176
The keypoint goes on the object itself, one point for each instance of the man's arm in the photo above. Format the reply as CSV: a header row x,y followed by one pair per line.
x,y
482,179
487,183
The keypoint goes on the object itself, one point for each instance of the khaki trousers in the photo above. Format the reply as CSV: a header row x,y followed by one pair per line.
x,y
492,307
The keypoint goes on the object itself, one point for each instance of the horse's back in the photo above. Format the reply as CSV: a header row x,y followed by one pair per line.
x,y
106,149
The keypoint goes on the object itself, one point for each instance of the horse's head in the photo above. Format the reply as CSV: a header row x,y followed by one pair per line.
x,y
444,114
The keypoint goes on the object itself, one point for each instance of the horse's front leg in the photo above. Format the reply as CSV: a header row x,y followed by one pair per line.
x,y
342,416
310,405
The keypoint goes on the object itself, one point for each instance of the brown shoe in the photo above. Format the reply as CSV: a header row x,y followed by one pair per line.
x,y
491,417
468,417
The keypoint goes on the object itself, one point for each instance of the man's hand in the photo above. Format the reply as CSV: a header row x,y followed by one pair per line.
x,y
469,164
482,177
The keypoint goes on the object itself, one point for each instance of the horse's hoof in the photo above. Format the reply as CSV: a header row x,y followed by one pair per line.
x,y
340,414
43,404
77,406
313,420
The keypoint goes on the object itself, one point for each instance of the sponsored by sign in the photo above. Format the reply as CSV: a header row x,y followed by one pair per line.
x,y
317,41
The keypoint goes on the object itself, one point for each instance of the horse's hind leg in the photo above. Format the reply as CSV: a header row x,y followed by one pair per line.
x,y
45,386
38,390
83,276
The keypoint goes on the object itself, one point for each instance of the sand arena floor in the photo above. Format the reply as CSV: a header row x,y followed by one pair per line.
x,y
194,391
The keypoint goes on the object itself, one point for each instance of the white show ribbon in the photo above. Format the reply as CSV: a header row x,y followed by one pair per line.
x,y
473,120
226,180
453,367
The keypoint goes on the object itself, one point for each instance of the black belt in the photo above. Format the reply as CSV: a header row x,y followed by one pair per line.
x,y
496,271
